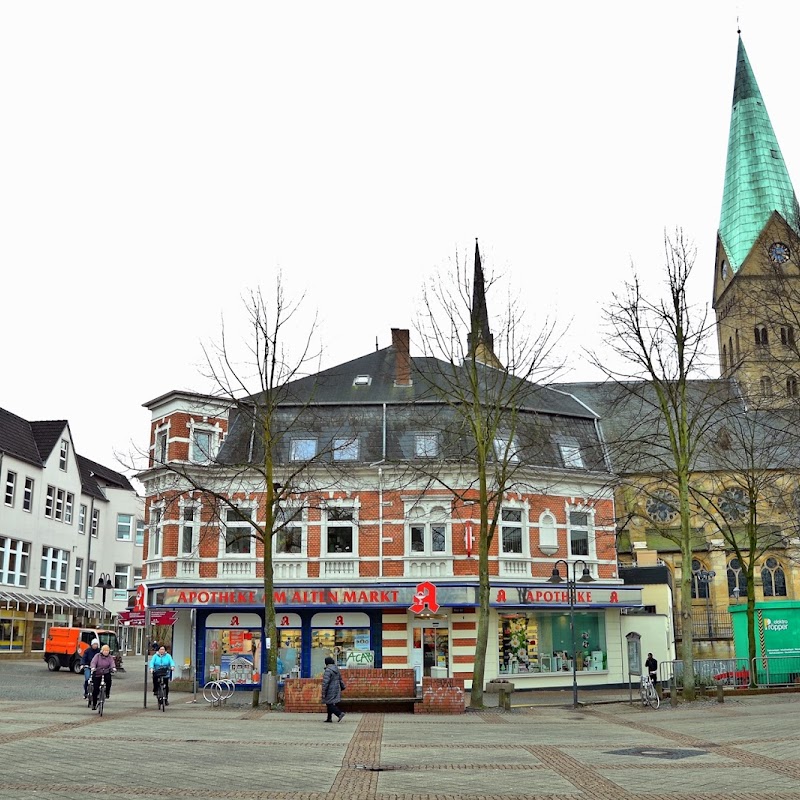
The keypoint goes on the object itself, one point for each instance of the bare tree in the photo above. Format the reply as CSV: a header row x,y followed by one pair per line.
x,y
662,343
270,395
485,397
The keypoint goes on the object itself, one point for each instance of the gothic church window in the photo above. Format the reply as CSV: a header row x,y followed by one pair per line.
x,y
773,578
787,336
791,386
761,336
766,386
736,578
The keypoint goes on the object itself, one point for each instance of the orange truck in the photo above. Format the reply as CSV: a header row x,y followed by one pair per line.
x,y
64,647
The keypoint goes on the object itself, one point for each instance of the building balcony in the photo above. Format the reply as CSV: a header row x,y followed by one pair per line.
x,y
285,569
188,568
153,569
338,567
515,567
236,569
428,567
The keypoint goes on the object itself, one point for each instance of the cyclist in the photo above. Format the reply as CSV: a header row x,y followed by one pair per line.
x,y
103,667
86,662
162,664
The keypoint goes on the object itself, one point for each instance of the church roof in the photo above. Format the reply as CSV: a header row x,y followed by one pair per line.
x,y
757,183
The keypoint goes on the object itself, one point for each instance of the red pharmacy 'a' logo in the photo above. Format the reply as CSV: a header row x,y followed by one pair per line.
x,y
425,597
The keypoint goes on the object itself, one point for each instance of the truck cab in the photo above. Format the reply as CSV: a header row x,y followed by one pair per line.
x,y
64,647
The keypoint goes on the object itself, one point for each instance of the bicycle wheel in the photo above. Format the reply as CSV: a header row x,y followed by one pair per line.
x,y
653,700
161,704
101,698
643,693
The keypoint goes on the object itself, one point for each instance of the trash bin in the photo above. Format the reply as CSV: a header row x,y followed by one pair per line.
x,y
270,688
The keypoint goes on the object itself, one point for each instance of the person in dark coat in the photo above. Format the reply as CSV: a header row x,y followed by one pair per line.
x,y
332,689
86,662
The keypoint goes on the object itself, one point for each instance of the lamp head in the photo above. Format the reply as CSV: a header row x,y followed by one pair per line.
x,y
555,577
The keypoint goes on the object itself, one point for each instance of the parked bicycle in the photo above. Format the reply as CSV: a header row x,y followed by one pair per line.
x,y
648,692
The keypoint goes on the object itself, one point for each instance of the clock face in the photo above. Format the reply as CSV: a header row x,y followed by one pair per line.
x,y
779,253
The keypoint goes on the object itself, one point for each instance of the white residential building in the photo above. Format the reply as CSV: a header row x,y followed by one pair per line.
x,y
65,523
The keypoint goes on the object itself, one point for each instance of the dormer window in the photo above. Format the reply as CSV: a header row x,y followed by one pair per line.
x,y
345,449
362,380
426,445
571,456
505,449
302,449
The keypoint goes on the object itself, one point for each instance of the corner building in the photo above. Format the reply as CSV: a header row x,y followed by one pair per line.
x,y
375,552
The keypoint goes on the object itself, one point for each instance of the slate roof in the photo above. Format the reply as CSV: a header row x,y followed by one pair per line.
x,y
33,442
29,441
331,405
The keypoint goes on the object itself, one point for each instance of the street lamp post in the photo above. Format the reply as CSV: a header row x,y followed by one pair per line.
x,y
705,576
572,595
104,583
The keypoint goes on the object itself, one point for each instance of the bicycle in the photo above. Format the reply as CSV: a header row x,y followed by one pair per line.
x,y
161,687
101,696
648,692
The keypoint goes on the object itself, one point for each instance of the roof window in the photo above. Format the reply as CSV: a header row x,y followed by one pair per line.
x,y
362,380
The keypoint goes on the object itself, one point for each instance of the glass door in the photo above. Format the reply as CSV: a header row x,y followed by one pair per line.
x,y
431,652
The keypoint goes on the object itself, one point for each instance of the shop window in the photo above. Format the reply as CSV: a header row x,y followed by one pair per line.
x,y
580,533
12,632
238,531
340,530
234,654
289,652
536,643
511,531
773,578
339,643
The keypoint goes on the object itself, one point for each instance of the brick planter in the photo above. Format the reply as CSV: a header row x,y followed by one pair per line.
x,y
442,696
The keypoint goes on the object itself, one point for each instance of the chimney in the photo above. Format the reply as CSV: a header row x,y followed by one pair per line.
x,y
402,357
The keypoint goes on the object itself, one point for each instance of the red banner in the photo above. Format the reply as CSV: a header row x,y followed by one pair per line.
x,y
162,616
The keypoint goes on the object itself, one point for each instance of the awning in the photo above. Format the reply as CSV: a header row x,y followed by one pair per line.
x,y
20,600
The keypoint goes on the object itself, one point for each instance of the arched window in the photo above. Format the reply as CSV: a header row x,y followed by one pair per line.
x,y
787,336
733,503
724,357
738,355
761,336
766,386
773,578
700,581
736,578
730,350
791,386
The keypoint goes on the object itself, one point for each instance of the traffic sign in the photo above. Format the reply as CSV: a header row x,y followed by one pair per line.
x,y
158,616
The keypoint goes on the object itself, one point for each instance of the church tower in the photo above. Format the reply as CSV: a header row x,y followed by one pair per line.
x,y
757,270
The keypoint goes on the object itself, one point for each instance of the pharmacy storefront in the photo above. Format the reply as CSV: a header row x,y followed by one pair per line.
x,y
422,625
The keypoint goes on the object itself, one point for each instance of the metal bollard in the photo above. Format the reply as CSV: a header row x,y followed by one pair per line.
x,y
720,693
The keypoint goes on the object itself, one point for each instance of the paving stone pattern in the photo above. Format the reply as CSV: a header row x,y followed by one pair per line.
x,y
52,746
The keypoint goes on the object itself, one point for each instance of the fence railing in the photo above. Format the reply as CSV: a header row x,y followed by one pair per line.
x,y
706,624
774,671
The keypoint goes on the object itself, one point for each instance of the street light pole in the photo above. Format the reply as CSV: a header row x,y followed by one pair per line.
x,y
705,576
572,591
104,583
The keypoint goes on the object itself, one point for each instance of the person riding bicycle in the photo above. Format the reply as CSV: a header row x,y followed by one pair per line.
x,y
103,667
161,665
86,662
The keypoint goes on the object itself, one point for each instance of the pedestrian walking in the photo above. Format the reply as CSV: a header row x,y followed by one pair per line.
x,y
332,685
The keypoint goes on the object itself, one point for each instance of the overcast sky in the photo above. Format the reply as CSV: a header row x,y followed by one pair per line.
x,y
160,159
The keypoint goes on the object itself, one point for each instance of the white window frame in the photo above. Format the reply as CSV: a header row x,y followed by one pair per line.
x,y
50,502
155,531
27,495
506,448
69,504
298,447
332,509
140,532
571,456
426,445
548,532
589,528
14,561
82,518
137,576
11,487
59,513
54,570
90,580
95,529
196,453
296,520
230,517
511,524
63,455
345,449
427,518
161,446
190,526
124,522
77,580
122,581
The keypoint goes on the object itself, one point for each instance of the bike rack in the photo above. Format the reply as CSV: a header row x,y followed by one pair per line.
x,y
218,692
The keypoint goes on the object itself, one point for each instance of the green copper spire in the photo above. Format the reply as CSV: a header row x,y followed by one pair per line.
x,y
757,182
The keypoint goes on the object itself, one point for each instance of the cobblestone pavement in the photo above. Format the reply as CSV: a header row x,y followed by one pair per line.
x,y
52,746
